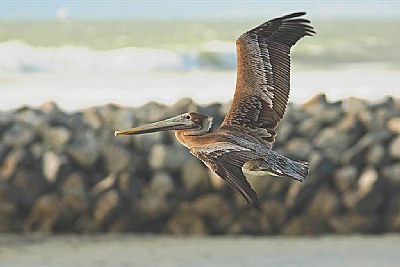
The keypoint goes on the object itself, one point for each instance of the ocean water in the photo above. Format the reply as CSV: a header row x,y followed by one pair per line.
x,y
84,63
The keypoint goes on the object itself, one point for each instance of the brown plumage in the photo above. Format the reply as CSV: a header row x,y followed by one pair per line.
x,y
244,140
263,74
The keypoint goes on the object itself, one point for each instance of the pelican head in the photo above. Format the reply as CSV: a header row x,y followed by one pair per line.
x,y
191,123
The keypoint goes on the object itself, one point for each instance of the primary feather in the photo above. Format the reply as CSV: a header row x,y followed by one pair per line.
x,y
263,74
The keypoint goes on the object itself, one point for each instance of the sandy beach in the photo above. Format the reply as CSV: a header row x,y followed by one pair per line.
x,y
134,250
80,92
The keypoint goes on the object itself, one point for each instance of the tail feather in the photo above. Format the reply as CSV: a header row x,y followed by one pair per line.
x,y
298,171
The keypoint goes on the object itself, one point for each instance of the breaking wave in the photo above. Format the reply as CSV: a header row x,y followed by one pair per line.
x,y
19,57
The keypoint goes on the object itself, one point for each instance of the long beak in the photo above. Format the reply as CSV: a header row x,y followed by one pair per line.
x,y
175,123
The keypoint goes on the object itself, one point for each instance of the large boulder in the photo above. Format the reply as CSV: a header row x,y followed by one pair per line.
x,y
107,209
185,221
195,178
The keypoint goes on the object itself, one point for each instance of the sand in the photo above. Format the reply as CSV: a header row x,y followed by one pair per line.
x,y
82,91
133,250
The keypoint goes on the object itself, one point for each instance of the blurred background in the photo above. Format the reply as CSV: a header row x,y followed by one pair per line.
x,y
72,72
162,51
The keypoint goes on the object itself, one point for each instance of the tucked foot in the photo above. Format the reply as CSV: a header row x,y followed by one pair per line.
x,y
261,167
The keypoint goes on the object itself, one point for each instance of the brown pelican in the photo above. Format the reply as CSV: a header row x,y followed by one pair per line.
x,y
244,140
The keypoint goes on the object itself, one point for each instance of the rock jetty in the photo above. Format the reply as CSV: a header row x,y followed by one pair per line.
x,y
66,173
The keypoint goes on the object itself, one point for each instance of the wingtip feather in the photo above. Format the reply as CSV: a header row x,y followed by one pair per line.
x,y
294,15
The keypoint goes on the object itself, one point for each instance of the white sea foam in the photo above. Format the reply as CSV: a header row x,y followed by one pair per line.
x,y
19,57
77,77
23,58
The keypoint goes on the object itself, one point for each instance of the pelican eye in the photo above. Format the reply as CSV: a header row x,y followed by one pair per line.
x,y
187,117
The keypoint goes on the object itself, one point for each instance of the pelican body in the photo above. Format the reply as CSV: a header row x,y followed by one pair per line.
x,y
244,140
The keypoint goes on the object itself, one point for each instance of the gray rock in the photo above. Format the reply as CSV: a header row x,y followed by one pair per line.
x,y
5,120
11,163
107,208
350,124
284,132
130,185
151,112
84,148
249,222
29,186
394,224
45,214
217,183
267,186
259,183
74,200
303,225
354,223
309,128
168,158
375,119
345,178
277,187
392,174
155,202
55,116
355,153
125,183
299,195
392,215
368,180
215,209
18,135
321,167
86,224
124,119
183,105
316,105
8,216
195,178
51,165
213,110
332,141
376,154
366,118
94,182
121,224
106,115
354,105
117,158
368,196
296,226
37,150
393,125
146,142
394,147
185,221
50,107
275,212
92,117
109,118
330,115
26,115
74,184
56,137
298,148
324,205
104,184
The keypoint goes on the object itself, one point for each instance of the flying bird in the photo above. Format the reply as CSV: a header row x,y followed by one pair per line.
x,y
243,142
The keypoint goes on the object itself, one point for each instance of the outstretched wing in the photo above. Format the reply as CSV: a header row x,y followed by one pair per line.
x,y
263,74
226,160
